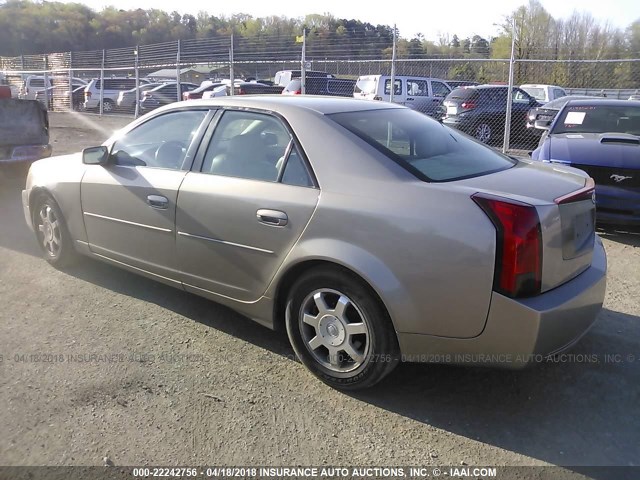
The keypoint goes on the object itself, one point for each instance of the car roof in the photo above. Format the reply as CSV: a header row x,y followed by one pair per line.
x,y
291,103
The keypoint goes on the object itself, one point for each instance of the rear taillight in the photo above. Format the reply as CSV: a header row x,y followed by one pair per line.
x,y
468,105
87,95
241,91
518,270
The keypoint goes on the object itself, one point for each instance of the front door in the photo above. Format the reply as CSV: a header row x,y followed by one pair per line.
x,y
129,205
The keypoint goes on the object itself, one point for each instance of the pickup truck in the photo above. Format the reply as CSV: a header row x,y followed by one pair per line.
x,y
24,134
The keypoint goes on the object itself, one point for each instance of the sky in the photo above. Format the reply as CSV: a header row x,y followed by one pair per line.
x,y
465,18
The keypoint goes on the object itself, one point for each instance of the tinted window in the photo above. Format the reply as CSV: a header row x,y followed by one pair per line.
x,y
247,145
439,89
598,119
162,142
295,172
520,97
423,146
558,92
464,93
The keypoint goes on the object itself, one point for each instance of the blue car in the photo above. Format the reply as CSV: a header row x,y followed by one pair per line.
x,y
601,137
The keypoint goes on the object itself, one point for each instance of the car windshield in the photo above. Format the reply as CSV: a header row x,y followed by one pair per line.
x,y
428,149
599,119
535,92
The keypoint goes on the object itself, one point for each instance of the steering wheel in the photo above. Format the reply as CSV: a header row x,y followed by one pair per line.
x,y
170,154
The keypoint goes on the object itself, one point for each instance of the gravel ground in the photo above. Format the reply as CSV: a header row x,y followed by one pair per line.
x,y
97,362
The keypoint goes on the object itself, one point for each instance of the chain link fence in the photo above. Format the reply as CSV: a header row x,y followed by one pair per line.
x,y
56,78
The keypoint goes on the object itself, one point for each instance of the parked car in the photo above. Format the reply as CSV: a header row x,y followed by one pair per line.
x,y
112,88
481,112
127,99
460,83
548,111
335,87
283,77
255,207
255,88
418,93
24,134
163,95
46,97
206,86
32,84
602,138
543,93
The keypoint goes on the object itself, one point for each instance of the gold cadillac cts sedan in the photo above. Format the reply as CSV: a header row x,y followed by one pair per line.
x,y
370,232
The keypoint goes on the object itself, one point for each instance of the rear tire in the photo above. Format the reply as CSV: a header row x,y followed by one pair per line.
x,y
52,233
340,330
483,132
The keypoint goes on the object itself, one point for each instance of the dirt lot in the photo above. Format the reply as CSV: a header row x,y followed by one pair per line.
x,y
97,362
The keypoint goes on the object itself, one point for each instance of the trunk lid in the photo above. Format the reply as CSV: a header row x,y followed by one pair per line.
x,y
567,224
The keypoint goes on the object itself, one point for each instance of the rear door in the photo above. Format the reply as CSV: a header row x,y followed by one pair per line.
x,y
129,205
243,207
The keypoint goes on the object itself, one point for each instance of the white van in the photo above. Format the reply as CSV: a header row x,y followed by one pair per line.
x,y
544,93
36,83
419,93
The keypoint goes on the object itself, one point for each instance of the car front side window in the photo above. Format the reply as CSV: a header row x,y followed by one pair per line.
x,y
161,142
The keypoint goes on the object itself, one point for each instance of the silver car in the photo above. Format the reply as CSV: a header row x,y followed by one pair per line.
x,y
370,232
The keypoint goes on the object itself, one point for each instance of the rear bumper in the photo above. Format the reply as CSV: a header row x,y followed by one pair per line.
x,y
520,332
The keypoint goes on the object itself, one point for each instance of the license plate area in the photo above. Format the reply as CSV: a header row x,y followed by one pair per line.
x,y
452,110
578,228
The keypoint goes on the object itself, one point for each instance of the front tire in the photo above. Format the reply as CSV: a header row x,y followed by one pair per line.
x,y
51,231
340,330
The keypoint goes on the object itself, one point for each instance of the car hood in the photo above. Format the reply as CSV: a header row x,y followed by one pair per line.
x,y
619,150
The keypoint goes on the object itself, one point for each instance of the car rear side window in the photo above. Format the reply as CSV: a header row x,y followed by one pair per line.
x,y
426,148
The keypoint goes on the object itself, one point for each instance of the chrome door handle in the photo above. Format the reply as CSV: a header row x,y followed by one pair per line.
x,y
158,201
272,217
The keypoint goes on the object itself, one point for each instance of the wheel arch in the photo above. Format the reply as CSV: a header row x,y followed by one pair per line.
x,y
295,270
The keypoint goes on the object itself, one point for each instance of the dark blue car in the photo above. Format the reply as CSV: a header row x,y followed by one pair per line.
x,y
601,137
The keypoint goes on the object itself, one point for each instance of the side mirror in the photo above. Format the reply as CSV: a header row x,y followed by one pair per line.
x,y
542,124
95,155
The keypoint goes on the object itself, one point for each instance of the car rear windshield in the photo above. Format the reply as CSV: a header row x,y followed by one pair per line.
x,y
599,119
463,93
428,149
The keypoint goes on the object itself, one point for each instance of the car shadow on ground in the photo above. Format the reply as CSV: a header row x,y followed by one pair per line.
x,y
624,235
572,411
